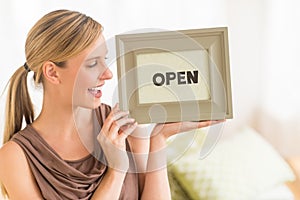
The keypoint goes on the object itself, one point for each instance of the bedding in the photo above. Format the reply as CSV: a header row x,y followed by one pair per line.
x,y
280,192
242,167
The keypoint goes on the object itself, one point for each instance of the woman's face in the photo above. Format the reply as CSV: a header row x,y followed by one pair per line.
x,y
87,75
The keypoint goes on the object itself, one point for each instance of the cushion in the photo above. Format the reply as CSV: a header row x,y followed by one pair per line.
x,y
238,168
177,192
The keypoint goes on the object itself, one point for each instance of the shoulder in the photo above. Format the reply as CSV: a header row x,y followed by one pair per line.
x,y
11,158
11,153
14,170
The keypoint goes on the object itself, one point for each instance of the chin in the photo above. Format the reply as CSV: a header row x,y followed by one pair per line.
x,y
96,104
89,105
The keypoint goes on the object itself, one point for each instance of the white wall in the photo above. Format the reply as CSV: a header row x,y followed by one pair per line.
x,y
246,23
278,115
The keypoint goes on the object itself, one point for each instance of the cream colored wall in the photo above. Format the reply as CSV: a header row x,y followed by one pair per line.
x,y
278,115
245,20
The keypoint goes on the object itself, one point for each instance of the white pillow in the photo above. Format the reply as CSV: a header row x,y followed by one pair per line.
x,y
238,168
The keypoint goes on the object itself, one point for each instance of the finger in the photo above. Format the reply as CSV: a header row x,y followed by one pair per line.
x,y
126,132
116,106
115,112
113,116
203,124
118,124
118,115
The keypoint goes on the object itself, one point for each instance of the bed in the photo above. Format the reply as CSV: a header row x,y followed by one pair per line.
x,y
244,166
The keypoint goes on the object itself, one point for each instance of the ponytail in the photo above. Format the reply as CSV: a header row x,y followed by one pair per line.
x,y
18,104
55,37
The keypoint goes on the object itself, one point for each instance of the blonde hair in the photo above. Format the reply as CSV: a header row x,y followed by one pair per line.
x,y
56,37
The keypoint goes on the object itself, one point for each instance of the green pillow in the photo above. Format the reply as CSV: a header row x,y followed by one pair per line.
x,y
238,168
177,192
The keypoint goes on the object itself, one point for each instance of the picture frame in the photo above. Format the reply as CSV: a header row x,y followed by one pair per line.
x,y
172,76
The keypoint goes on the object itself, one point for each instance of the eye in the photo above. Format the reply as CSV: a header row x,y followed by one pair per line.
x,y
93,63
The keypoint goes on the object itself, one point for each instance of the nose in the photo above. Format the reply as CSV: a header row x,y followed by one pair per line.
x,y
106,75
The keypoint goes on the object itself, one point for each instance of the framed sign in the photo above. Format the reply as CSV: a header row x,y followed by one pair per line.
x,y
172,76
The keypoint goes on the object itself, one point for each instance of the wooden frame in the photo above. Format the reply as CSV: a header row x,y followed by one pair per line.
x,y
174,76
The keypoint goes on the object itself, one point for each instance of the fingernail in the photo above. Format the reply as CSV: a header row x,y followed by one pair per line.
x,y
131,120
117,105
134,124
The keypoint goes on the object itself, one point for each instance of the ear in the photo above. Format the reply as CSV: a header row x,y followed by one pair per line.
x,y
50,72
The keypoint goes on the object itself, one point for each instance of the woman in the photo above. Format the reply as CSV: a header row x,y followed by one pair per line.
x,y
55,156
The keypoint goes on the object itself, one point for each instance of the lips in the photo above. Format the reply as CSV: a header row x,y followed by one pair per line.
x,y
96,91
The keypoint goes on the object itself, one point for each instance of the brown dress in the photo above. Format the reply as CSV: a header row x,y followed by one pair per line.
x,y
60,179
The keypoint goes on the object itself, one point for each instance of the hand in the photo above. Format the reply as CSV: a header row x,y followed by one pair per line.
x,y
112,137
160,134
169,129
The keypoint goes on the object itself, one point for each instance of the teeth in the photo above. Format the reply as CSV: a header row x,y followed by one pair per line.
x,y
95,88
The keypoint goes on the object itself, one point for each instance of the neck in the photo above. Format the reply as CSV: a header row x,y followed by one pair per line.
x,y
64,121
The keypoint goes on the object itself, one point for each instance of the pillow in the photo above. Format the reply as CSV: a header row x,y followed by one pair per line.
x,y
177,192
237,168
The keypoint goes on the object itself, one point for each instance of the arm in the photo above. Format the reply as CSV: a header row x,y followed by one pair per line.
x,y
19,182
15,174
111,185
156,179
112,137
139,142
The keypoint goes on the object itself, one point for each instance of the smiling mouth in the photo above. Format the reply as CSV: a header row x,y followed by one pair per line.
x,y
96,91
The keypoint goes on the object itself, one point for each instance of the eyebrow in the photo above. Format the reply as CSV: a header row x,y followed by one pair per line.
x,y
96,57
